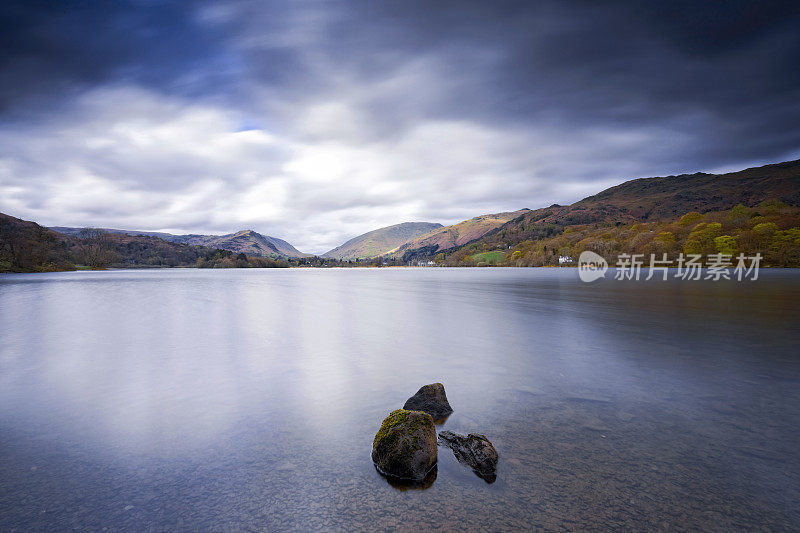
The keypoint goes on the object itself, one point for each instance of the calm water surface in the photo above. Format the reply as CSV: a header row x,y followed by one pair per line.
x,y
248,399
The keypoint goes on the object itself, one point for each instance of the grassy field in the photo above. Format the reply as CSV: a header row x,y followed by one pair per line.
x,y
490,258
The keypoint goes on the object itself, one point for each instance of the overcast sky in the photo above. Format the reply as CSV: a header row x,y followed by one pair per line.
x,y
318,121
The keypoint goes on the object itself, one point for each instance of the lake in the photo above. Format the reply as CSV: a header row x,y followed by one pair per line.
x,y
248,399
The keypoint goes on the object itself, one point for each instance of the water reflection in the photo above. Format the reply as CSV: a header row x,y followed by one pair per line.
x,y
244,399
409,484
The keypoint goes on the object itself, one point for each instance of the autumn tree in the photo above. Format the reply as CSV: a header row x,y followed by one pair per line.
x,y
95,248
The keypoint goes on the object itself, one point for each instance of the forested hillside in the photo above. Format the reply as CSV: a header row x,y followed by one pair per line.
x,y
771,228
632,216
28,247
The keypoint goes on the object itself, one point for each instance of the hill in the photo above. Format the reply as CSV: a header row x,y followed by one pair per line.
x,y
377,242
629,217
667,198
459,234
248,242
28,247
771,228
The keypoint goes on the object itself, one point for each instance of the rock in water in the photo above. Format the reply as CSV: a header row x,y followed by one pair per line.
x,y
430,399
405,446
473,450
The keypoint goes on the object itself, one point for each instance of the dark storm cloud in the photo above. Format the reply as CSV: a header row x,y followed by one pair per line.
x,y
363,113
617,63
49,49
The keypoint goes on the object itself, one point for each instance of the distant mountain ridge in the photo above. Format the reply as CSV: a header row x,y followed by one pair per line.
x,y
248,241
28,247
380,241
447,237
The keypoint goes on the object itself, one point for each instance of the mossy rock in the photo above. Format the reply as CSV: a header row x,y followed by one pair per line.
x,y
405,445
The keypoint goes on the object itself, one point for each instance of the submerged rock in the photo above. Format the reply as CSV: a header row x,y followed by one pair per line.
x,y
404,485
474,451
430,399
405,445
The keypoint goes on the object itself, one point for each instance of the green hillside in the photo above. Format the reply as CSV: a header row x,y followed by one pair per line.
x,y
380,241
656,215
771,228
